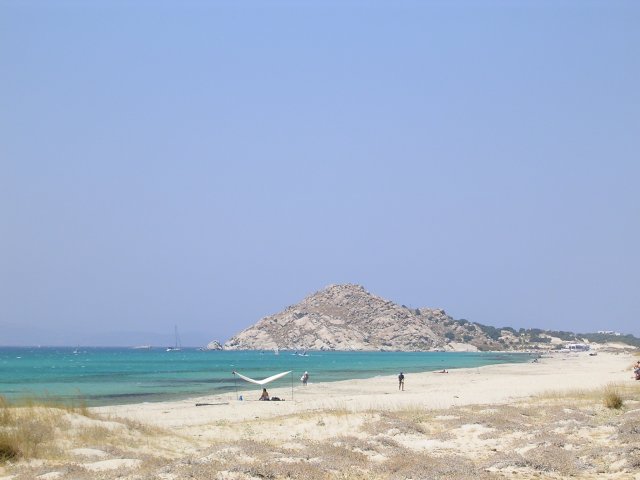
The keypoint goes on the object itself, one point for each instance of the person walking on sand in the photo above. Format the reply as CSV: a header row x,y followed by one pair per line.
x,y
401,381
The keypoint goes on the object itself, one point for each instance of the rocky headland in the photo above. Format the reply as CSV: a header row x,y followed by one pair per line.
x,y
347,317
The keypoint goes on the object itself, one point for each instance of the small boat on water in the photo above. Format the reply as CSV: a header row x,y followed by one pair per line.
x,y
142,347
176,346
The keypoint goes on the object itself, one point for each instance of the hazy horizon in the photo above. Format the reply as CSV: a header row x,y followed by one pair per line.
x,y
158,339
206,164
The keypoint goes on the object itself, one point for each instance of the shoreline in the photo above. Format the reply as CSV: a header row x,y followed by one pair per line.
x,y
91,380
486,385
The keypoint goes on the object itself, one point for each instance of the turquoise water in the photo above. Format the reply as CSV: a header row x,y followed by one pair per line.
x,y
108,376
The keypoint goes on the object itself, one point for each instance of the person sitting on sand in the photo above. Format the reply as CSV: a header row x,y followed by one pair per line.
x,y
401,381
265,395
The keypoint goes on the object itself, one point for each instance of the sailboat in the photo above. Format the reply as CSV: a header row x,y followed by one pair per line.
x,y
176,346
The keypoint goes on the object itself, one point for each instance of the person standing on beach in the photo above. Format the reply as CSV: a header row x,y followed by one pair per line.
x,y
305,378
401,381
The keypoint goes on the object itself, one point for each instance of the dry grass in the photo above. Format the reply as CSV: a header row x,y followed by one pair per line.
x,y
586,397
554,436
410,464
28,431
32,433
612,398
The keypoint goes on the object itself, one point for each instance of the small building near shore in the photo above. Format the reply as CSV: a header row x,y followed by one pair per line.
x,y
578,347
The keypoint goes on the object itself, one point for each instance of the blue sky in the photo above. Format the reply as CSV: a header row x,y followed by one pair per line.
x,y
209,163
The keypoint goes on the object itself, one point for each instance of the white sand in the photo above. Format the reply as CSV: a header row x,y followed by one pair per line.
x,y
494,384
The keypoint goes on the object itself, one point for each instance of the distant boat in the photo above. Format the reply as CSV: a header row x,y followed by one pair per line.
x,y
176,346
142,347
276,351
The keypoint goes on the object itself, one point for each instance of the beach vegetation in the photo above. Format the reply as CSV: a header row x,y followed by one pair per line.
x,y
8,450
407,464
555,436
46,430
604,338
540,339
28,432
543,460
612,398
562,335
492,332
340,410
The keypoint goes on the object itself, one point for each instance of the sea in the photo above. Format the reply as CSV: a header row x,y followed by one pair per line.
x,y
111,376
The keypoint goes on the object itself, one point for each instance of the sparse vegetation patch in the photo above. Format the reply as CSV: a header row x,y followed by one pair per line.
x,y
552,436
612,398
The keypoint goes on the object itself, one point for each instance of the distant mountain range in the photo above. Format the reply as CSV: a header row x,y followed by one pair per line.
x,y
347,317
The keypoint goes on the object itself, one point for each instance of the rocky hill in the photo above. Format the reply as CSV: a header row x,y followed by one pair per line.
x,y
347,317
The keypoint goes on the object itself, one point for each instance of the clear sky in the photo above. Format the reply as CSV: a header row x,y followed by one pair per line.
x,y
204,164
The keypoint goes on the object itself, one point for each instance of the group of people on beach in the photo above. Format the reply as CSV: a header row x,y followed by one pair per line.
x,y
265,395
305,379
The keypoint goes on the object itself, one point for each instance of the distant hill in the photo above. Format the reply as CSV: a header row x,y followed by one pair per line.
x,y
347,317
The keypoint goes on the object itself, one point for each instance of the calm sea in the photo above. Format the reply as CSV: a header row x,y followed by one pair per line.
x,y
108,376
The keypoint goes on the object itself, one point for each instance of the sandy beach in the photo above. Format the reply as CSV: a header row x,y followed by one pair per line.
x,y
493,384
530,420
